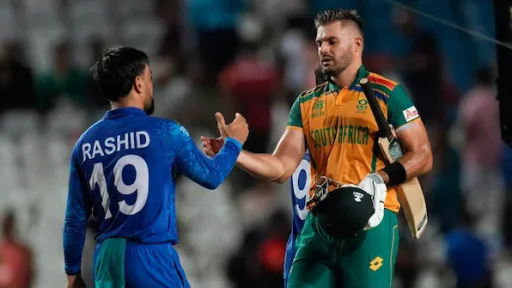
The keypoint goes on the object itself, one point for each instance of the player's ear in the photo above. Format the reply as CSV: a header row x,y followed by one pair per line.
x,y
358,44
138,84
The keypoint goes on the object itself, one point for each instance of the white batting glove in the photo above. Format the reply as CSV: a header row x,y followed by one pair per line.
x,y
374,185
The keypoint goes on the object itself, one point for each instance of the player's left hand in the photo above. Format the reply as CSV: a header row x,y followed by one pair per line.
x,y
374,185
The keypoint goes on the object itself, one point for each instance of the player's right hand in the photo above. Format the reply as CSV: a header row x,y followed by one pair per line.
x,y
212,146
238,129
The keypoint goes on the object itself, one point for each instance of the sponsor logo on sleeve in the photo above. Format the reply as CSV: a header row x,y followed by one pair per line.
x,y
410,114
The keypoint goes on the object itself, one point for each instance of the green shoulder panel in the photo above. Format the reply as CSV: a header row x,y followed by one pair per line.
x,y
401,109
295,115
313,93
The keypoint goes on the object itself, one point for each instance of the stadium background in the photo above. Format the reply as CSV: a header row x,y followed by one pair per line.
x,y
254,57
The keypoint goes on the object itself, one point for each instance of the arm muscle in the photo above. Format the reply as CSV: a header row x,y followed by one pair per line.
x,y
280,165
418,154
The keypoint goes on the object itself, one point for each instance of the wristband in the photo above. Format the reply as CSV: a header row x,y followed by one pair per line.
x,y
396,173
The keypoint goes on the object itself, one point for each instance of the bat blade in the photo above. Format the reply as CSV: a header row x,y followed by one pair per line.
x,y
413,204
409,193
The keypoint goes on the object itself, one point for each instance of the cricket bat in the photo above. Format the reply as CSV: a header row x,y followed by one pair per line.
x,y
409,193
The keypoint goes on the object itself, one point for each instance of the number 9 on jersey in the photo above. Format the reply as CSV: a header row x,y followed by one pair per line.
x,y
301,183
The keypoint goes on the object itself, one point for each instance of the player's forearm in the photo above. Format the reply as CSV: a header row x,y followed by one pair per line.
x,y
418,162
414,163
75,220
263,166
221,164
73,242
205,171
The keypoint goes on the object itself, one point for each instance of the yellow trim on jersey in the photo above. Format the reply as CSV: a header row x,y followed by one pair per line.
x,y
294,128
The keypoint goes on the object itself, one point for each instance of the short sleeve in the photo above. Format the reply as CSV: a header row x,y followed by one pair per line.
x,y
294,117
401,109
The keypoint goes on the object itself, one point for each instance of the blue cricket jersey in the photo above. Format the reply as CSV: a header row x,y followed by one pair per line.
x,y
300,183
122,170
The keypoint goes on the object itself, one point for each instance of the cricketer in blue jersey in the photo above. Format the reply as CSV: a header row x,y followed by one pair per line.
x,y
122,171
300,183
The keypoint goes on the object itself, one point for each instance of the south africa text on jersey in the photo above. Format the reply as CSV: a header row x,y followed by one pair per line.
x,y
132,140
343,134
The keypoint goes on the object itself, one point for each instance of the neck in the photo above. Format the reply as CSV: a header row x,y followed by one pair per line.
x,y
125,102
348,75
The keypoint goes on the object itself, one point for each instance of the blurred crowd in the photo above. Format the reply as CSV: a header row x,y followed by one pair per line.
x,y
252,57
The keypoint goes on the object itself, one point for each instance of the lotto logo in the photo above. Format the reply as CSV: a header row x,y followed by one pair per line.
x,y
410,113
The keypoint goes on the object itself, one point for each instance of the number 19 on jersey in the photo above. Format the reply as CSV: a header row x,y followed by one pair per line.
x,y
140,185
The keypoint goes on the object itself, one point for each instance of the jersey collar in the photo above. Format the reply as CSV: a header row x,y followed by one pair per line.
x,y
120,112
360,74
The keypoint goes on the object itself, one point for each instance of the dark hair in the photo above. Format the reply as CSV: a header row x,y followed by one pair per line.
x,y
115,71
483,76
343,15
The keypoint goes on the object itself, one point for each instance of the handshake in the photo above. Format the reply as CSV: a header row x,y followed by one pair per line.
x,y
238,129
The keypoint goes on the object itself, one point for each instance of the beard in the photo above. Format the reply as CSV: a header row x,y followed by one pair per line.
x,y
319,76
149,109
339,65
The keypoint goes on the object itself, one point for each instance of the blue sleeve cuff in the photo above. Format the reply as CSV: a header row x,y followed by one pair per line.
x,y
72,270
237,143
